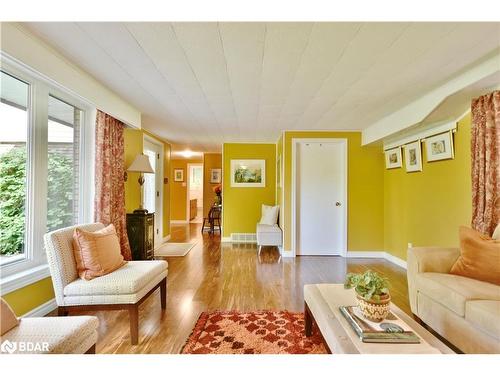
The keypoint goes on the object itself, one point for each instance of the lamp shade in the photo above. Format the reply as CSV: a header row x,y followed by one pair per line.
x,y
141,164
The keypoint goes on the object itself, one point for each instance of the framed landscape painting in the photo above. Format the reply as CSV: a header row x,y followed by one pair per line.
x,y
439,147
393,158
413,157
248,173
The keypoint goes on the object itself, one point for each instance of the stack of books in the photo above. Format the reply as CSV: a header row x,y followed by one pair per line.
x,y
391,330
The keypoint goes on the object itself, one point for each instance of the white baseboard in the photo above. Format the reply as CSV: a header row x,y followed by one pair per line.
x,y
179,222
377,254
166,239
42,310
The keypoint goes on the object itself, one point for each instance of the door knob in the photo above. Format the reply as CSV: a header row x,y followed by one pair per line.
x,y
338,204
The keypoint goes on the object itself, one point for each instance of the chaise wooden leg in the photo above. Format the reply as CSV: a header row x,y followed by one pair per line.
x,y
91,350
163,293
307,321
61,311
133,312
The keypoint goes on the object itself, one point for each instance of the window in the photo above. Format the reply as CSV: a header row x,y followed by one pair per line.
x,y
14,126
45,167
63,164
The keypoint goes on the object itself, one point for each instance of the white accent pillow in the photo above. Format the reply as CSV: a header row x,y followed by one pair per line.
x,y
269,215
496,233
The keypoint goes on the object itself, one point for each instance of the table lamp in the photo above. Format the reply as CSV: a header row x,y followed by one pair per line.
x,y
141,164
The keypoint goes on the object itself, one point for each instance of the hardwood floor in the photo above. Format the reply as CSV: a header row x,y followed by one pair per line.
x,y
228,277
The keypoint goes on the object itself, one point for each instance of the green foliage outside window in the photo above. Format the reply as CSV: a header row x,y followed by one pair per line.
x,y
13,193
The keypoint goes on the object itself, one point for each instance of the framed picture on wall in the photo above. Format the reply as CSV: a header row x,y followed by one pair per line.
x,y
413,157
248,173
393,158
215,176
439,147
179,175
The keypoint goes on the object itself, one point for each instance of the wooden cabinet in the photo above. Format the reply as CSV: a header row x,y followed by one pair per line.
x,y
140,230
193,209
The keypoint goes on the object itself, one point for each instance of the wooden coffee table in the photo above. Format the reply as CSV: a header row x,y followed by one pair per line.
x,y
322,302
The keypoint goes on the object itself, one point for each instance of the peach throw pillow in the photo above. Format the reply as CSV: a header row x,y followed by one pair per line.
x,y
8,318
97,253
479,257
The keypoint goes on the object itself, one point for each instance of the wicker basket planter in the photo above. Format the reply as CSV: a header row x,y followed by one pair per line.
x,y
375,311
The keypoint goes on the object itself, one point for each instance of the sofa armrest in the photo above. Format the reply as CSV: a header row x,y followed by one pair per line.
x,y
427,259
432,259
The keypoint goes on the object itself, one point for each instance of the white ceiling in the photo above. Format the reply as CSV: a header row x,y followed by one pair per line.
x,y
203,84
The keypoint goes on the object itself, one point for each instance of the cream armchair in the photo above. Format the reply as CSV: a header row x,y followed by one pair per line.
x,y
464,311
123,289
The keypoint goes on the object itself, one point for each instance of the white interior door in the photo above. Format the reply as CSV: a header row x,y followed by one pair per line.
x,y
153,195
320,182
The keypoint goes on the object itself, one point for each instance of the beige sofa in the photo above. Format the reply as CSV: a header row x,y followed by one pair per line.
x,y
464,311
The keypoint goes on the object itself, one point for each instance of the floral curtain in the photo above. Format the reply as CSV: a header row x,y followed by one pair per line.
x,y
109,202
485,147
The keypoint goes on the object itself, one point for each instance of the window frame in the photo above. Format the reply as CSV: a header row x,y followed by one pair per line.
x,y
33,266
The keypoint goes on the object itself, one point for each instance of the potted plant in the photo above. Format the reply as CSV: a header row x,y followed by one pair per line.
x,y
372,293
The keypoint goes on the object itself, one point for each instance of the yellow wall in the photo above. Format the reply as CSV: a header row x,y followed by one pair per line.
x,y
134,144
426,208
31,296
178,197
242,206
210,161
365,227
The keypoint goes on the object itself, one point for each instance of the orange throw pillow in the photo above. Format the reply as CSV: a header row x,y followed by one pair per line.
x,y
97,253
479,257
8,317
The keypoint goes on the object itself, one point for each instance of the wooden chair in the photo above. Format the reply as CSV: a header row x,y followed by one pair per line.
x,y
123,289
213,220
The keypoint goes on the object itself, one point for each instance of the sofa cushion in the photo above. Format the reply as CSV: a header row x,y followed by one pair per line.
x,y
484,315
97,253
8,318
479,257
128,279
53,334
453,291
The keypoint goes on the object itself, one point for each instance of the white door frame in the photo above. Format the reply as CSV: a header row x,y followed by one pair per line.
x,y
188,182
147,138
295,143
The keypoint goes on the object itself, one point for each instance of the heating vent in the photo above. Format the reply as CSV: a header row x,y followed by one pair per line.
x,y
244,237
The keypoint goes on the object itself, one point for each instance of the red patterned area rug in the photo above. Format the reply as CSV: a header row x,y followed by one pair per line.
x,y
259,332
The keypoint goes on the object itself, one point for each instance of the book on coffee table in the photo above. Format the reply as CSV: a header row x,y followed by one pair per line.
x,y
391,330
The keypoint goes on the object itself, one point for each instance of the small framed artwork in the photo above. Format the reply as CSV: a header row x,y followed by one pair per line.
x,y
179,175
413,157
215,176
439,147
248,173
393,158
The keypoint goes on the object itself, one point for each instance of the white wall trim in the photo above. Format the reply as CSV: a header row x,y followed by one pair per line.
x,y
295,142
287,253
380,254
416,111
42,310
226,239
21,279
179,222
166,239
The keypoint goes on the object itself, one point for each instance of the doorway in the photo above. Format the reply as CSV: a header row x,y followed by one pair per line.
x,y
319,196
153,186
194,210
